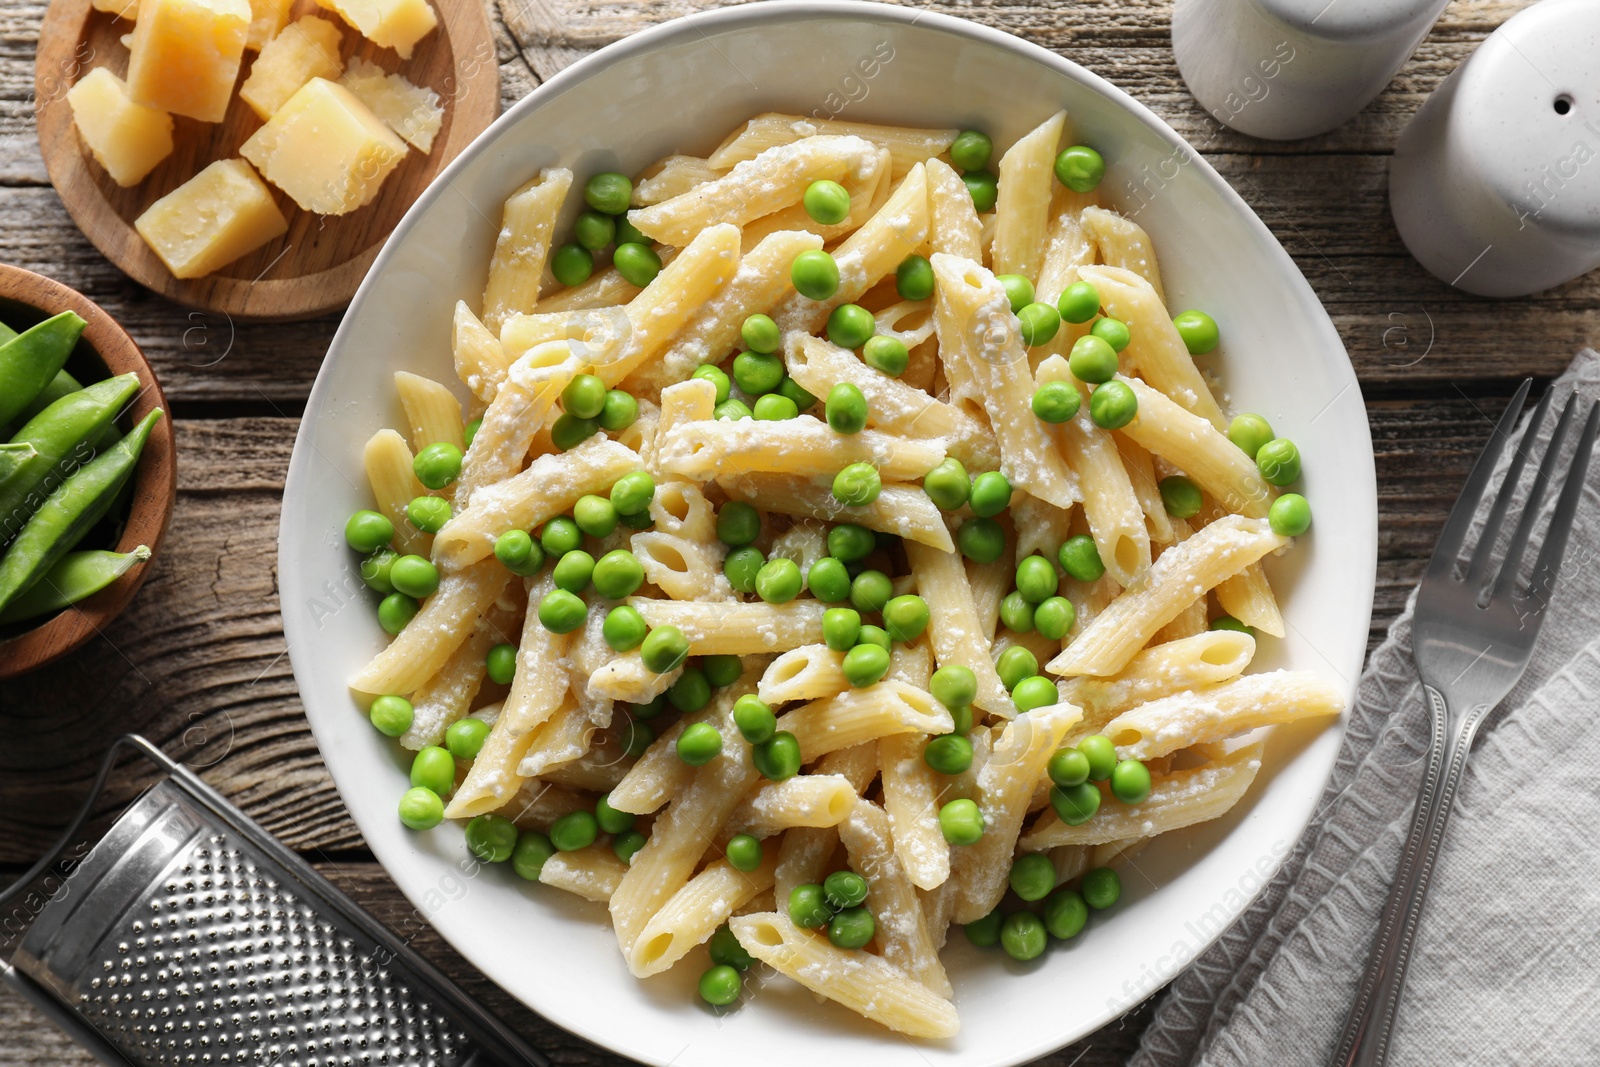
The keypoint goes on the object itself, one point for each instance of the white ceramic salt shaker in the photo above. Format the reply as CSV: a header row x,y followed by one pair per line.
x,y
1495,184
1284,69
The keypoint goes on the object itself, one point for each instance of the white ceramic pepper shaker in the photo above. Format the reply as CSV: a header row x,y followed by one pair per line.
x,y
1495,184
1284,69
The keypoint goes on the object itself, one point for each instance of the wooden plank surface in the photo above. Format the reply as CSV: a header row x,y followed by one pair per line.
x,y
199,665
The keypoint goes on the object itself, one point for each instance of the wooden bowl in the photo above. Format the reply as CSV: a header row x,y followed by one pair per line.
x,y
317,265
104,350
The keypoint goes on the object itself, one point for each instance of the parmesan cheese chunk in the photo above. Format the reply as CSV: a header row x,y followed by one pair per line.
x,y
126,138
267,20
326,149
185,55
412,111
212,219
397,24
308,49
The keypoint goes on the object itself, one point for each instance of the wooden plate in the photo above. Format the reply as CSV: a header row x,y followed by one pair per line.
x,y
316,266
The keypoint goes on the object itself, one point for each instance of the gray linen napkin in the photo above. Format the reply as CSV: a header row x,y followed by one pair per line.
x,y
1505,965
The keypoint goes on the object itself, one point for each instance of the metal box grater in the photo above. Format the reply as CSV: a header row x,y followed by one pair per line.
x,y
189,936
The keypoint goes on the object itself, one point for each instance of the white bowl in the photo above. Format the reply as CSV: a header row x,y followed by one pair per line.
x,y
679,88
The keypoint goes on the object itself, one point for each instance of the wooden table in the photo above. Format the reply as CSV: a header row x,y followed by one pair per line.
x,y
198,664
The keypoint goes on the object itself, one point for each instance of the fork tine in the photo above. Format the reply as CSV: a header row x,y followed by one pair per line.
x,y
1443,563
1483,552
1555,542
1530,507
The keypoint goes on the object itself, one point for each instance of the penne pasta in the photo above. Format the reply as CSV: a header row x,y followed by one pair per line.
x,y
902,930
1199,450
1123,244
953,224
957,631
805,447
1219,712
1022,210
912,794
804,800
432,411
388,463
736,629
907,146
1161,670
446,618
810,672
592,873
481,362
694,912
899,509
863,715
523,246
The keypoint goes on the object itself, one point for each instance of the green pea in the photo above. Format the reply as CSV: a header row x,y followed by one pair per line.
x,y
395,610
1038,323
628,233
779,581
948,754
1101,754
1113,332
961,822
849,542
1033,876
983,187
1015,664
717,377
1019,290
874,635
1228,622
742,567
1081,559
501,664
491,838
434,768
617,574
841,628
1092,360
846,409
985,932
886,354
627,844
795,392
1016,613
778,757
569,431
1180,496
760,334
608,191
690,693
624,628
1080,168
815,275
636,737
1279,462
637,263
913,279
829,580
1130,781
991,494
465,738
870,591
428,513
726,951
808,907
721,671
864,665
1065,913
376,568
738,524
595,515
1289,515
981,540
1036,579
1113,405
652,708
850,326
1101,887
1075,804
744,852
632,493
471,429
573,571
852,928
719,986
391,715
437,465
1068,767
421,809
593,230
905,617
947,484
572,265
754,718
619,411
1079,302
970,150
528,857
954,686
665,649
1198,330
1035,691
827,202
574,830
518,552
775,407
1054,617
756,373
562,612
733,410
844,889
414,576
1249,431
857,485
559,536
961,720
1056,402
610,819
584,396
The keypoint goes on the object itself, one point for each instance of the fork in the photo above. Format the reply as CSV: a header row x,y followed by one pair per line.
x,y
1473,633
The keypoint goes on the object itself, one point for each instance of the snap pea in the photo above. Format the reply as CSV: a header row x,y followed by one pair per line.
x,y
32,358
58,387
75,576
63,437
14,458
69,512
6,333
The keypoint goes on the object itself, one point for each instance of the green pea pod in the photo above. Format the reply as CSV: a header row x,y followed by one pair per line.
x,y
65,436
75,576
58,387
70,512
6,333
29,360
14,458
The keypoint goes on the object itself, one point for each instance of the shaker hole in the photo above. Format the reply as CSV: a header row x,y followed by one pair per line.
x,y
1563,104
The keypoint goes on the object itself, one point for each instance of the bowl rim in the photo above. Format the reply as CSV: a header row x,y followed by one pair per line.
x,y
787,12
155,485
